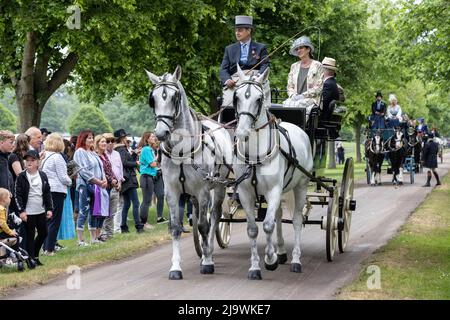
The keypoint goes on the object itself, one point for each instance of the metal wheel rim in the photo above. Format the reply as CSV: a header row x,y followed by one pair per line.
x,y
223,231
347,188
332,216
196,236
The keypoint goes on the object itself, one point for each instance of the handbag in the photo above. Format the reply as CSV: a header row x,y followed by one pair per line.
x,y
101,202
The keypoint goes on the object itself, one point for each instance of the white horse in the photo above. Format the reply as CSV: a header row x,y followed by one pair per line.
x,y
194,154
262,150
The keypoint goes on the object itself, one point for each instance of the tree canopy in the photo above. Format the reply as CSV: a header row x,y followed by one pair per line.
x,y
89,117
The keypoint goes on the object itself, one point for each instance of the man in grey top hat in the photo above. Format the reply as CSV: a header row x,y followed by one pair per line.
x,y
246,52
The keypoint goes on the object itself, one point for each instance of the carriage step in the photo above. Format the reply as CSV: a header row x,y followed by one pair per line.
x,y
317,194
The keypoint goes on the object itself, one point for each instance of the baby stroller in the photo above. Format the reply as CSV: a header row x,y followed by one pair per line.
x,y
10,252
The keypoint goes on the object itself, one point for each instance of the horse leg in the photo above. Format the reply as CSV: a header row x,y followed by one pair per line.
x,y
372,178
204,228
300,201
175,272
271,259
281,250
247,200
207,266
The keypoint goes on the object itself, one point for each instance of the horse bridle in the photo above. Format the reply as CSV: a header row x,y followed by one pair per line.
x,y
151,101
247,96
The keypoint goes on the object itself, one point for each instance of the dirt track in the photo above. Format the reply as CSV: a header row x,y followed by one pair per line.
x,y
380,212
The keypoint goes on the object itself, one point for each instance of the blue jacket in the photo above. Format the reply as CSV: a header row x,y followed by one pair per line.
x,y
145,160
232,55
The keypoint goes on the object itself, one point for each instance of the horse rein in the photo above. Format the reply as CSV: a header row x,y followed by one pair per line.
x,y
247,95
172,118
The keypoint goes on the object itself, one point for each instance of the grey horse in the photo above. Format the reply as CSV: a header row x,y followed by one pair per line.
x,y
263,148
197,154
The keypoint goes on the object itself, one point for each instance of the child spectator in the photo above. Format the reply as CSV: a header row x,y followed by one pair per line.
x,y
34,203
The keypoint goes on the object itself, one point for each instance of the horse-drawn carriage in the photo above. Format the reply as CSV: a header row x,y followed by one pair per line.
x,y
277,156
400,147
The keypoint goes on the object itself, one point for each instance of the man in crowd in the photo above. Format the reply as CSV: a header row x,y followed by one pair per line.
x,y
6,147
35,138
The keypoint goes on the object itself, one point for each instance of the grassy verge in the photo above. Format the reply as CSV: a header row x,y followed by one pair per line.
x,y
350,151
415,264
119,247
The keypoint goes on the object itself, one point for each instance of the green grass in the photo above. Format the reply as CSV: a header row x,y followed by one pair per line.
x,y
415,264
119,247
359,168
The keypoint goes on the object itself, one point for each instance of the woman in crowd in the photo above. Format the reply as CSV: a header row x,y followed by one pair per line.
x,y
158,182
100,147
55,167
15,160
91,174
130,183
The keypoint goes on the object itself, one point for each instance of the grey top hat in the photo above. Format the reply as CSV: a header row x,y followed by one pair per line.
x,y
302,41
243,22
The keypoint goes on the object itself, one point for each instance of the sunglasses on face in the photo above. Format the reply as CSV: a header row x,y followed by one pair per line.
x,y
109,141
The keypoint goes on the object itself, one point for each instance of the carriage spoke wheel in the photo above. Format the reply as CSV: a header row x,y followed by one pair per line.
x,y
346,195
223,231
332,224
196,235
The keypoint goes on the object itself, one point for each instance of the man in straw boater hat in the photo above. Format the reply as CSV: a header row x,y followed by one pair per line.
x,y
330,89
246,52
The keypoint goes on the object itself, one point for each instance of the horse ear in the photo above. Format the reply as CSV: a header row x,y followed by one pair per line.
x,y
263,78
240,73
177,73
153,78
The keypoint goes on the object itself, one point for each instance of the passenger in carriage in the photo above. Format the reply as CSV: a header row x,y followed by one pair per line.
x,y
394,112
330,89
246,52
422,127
305,79
378,112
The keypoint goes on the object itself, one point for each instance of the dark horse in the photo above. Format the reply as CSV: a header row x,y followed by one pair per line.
x,y
396,146
374,152
414,146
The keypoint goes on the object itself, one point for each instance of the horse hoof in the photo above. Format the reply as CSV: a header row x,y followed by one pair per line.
x,y
207,269
282,258
254,275
296,267
175,275
271,267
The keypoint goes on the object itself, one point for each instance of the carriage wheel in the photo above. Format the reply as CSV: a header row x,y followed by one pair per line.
x,y
332,224
196,235
223,231
345,212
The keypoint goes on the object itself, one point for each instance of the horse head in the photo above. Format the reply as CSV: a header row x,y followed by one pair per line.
x,y
377,144
165,100
248,101
398,138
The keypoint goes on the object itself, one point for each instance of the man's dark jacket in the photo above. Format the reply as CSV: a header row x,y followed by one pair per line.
x,y
129,168
232,56
382,109
6,178
330,92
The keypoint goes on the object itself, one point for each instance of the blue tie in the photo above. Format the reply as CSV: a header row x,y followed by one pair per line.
x,y
244,53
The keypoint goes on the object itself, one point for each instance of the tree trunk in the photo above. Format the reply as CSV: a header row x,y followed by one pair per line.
x,y
33,90
358,142
331,155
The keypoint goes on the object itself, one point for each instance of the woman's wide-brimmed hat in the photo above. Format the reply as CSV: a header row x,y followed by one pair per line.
x,y
329,63
303,41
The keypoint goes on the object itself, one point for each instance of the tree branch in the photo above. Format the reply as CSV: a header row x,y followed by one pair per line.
x,y
62,74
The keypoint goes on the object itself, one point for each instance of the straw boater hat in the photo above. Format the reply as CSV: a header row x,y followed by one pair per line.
x,y
302,41
329,63
243,22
